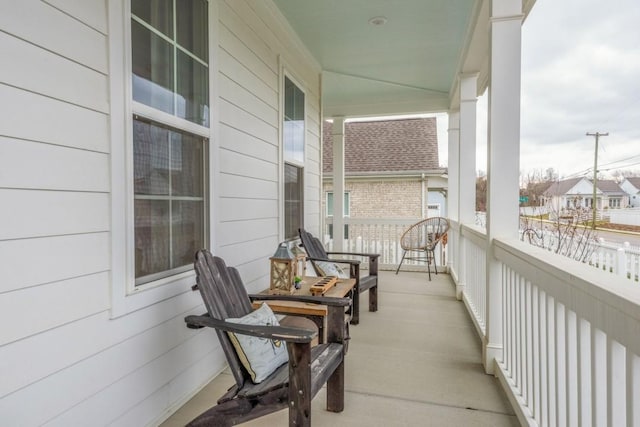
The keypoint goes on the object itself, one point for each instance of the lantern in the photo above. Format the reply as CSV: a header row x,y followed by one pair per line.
x,y
301,262
282,271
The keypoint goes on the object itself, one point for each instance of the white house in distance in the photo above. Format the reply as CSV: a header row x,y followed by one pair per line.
x,y
576,193
631,186
133,132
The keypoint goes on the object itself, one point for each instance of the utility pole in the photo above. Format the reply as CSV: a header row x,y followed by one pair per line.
x,y
595,176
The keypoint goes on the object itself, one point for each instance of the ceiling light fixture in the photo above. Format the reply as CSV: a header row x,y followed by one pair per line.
x,y
378,21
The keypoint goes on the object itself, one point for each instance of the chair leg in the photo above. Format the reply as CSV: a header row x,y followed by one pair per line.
x,y
401,260
428,264
355,307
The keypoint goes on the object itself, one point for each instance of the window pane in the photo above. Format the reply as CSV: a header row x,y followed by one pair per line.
x,y
346,204
150,159
292,200
191,23
193,90
152,236
187,231
187,169
293,132
329,204
152,59
169,208
157,13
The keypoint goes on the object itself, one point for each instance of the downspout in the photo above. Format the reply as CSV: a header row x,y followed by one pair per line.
x,y
423,197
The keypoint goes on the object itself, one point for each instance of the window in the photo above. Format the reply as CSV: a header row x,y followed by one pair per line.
x,y
346,207
169,184
294,141
170,94
615,202
293,200
170,70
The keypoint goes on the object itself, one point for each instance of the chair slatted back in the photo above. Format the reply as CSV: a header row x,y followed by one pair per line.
x,y
224,296
425,234
312,245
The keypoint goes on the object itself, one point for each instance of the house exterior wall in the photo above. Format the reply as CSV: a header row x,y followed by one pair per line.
x,y
66,358
633,193
393,198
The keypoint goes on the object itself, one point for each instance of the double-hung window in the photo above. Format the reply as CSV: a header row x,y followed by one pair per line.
x,y
170,106
294,141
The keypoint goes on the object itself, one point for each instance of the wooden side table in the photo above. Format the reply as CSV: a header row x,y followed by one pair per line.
x,y
316,312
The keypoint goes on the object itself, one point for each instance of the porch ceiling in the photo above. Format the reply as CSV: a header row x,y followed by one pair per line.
x,y
410,64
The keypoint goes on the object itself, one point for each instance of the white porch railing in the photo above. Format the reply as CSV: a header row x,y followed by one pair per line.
x,y
381,236
570,333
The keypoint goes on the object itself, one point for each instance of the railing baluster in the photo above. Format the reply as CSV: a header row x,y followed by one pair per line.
x,y
598,377
616,410
584,372
572,367
560,360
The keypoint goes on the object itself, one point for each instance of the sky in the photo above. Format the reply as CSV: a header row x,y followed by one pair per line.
x,y
580,73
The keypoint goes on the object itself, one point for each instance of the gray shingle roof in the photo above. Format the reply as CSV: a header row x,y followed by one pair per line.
x,y
386,146
635,181
561,187
608,186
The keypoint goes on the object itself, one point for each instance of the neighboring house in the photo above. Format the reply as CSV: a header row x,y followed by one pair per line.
x,y
631,187
391,170
577,193
613,196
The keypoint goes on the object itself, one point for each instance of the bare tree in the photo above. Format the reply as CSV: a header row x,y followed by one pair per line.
x,y
566,235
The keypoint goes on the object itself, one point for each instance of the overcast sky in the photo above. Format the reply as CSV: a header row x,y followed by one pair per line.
x,y
580,73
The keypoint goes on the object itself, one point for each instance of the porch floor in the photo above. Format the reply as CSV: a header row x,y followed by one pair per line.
x,y
417,361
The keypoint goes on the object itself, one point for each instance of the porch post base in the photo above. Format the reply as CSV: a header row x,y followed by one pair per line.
x,y
491,354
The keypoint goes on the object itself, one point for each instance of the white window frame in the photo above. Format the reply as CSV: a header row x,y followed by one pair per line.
x,y
125,296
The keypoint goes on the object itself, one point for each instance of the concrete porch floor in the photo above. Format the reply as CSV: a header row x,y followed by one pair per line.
x,y
415,362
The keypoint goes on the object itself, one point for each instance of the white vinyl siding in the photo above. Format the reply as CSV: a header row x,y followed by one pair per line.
x,y
130,359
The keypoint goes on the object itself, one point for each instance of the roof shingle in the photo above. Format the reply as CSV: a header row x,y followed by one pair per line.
x,y
386,146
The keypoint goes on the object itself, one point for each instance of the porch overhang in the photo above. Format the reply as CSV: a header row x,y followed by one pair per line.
x,y
393,57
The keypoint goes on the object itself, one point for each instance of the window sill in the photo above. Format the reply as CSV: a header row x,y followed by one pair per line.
x,y
149,294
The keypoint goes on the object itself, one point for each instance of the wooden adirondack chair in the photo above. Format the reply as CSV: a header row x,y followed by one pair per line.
x,y
316,253
423,238
293,384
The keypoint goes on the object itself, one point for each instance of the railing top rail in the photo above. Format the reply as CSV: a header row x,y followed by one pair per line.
x,y
609,302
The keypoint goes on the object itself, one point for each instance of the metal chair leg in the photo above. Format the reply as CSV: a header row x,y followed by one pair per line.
x,y
400,265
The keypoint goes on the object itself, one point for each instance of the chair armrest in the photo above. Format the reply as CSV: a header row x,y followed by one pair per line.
x,y
354,254
340,261
329,301
296,335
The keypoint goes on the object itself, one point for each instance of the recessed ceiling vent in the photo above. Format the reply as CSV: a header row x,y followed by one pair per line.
x,y
378,21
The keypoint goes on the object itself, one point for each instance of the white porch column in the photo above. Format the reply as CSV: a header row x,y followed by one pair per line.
x,y
503,158
453,197
453,167
467,153
337,137
467,168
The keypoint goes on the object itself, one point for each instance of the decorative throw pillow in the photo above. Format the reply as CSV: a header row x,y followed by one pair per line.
x,y
331,269
259,356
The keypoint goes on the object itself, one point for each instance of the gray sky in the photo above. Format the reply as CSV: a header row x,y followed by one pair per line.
x,y
580,73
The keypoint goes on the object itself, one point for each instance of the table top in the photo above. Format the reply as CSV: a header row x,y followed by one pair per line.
x,y
340,290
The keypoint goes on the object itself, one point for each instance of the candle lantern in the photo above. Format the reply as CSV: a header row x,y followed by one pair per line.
x,y
282,271
301,261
